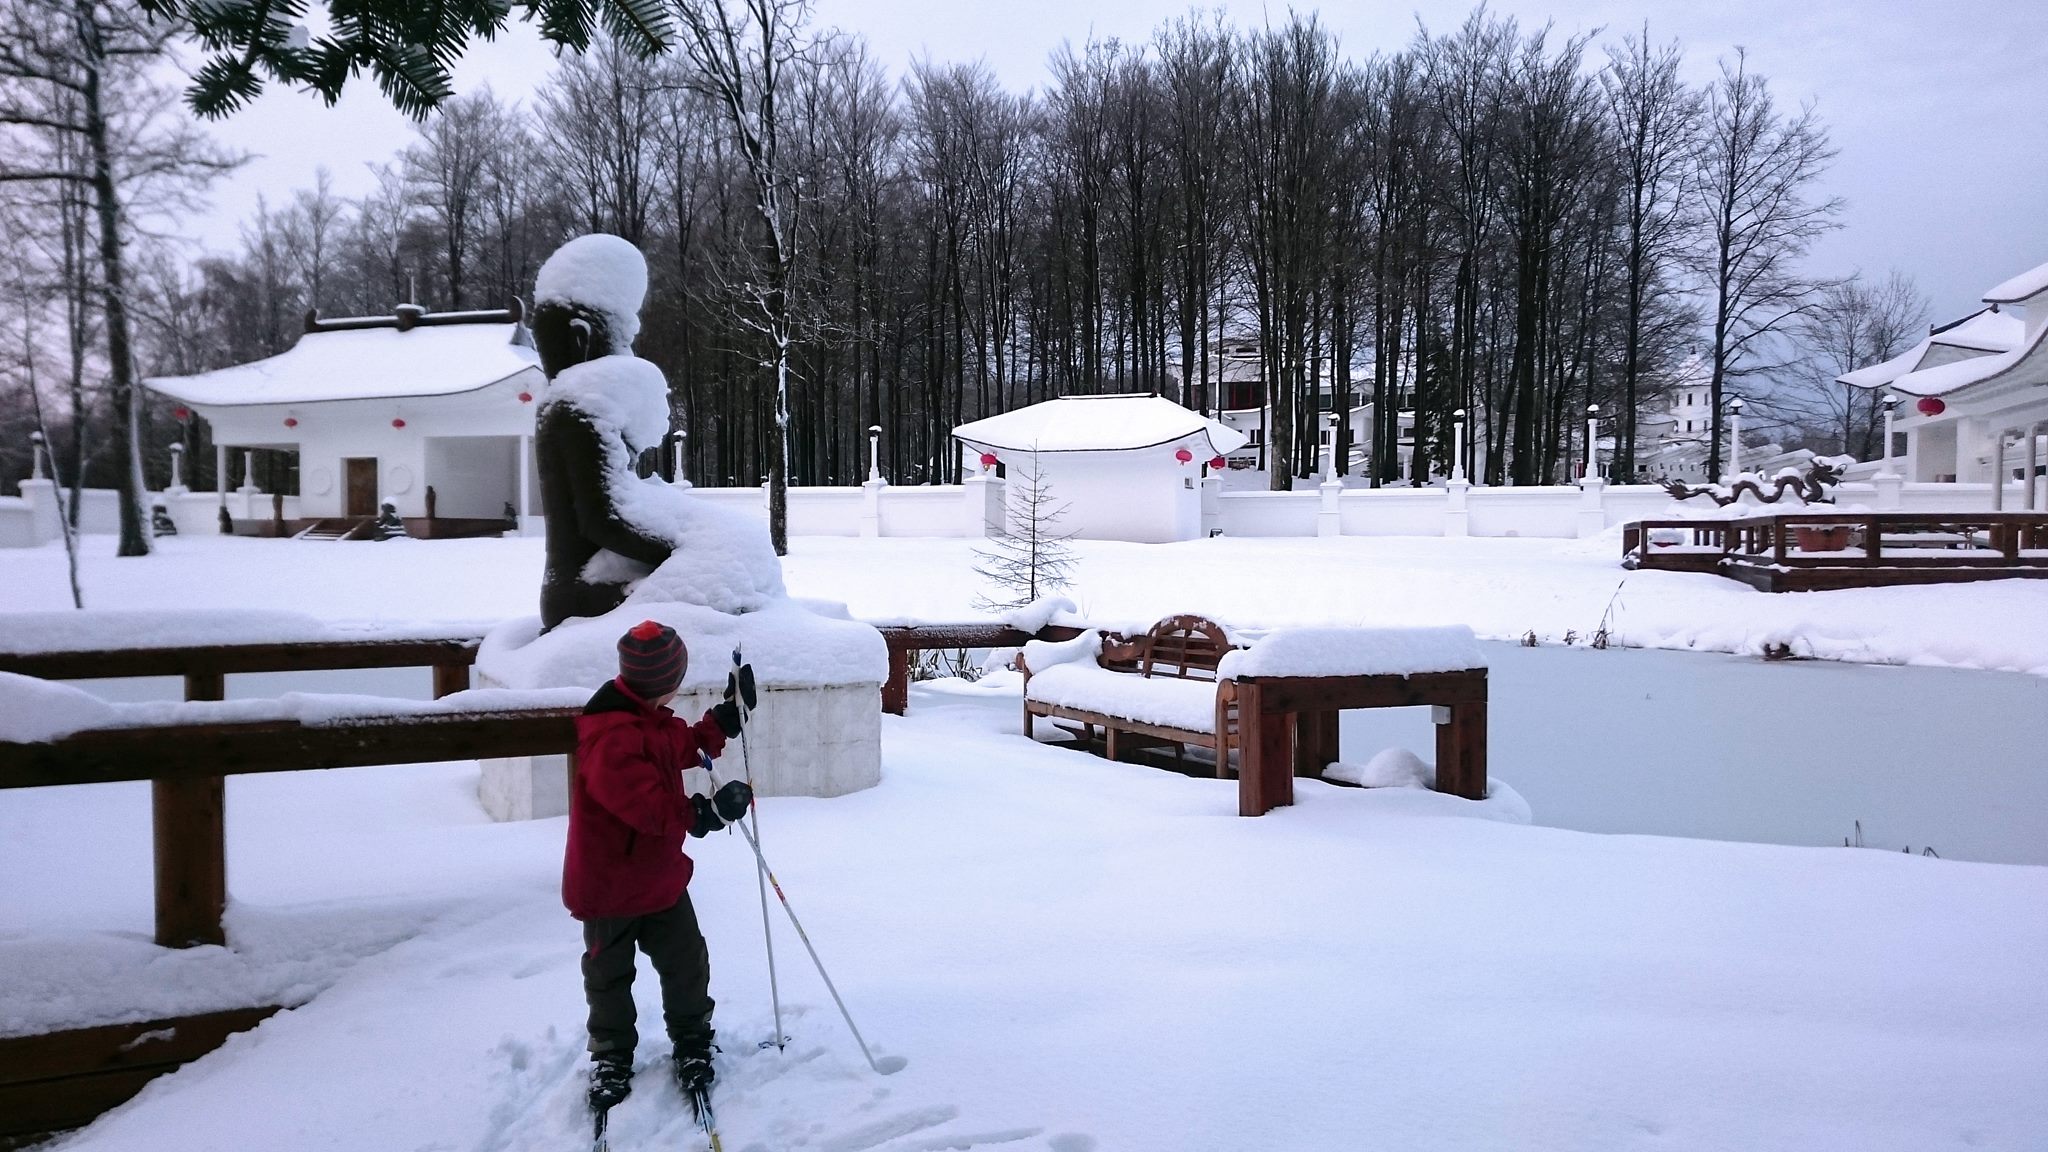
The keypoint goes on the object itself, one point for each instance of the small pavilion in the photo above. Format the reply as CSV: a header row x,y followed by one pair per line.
x,y
388,409
1974,392
1119,467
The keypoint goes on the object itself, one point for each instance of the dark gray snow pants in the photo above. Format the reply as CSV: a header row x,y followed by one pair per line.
x,y
676,949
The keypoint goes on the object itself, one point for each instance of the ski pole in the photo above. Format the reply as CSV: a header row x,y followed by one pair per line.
x,y
883,1067
747,766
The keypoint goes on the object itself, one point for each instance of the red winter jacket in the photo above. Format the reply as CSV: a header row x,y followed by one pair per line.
x,y
628,810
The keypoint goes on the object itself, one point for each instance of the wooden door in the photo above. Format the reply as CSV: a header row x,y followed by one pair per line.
x,y
362,486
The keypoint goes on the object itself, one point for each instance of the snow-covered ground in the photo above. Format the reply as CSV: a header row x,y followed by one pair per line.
x,y
1073,956
1502,588
1078,956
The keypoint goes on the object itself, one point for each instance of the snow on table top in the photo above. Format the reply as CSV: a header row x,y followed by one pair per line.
x,y
99,629
1098,424
788,644
1355,652
365,364
1167,700
36,711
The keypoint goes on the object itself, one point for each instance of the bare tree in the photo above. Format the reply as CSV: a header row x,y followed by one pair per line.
x,y
1031,557
80,70
742,54
1852,325
1756,168
1653,119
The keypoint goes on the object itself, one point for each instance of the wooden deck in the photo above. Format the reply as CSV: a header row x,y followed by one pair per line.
x,y
1822,551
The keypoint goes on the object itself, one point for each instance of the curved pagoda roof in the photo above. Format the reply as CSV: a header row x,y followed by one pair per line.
x,y
411,354
1113,423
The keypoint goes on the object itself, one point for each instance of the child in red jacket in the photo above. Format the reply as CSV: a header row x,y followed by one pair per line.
x,y
625,875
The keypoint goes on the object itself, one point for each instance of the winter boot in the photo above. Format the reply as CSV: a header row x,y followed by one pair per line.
x,y
693,1070
611,1079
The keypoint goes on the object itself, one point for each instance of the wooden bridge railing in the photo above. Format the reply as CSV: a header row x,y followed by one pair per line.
x,y
186,767
1809,550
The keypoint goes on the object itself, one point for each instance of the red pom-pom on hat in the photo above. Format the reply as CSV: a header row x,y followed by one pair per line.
x,y
646,630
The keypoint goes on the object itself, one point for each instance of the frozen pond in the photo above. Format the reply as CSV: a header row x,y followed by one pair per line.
x,y
1682,744
1735,748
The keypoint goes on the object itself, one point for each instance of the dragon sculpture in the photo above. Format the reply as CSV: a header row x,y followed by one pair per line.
x,y
1811,488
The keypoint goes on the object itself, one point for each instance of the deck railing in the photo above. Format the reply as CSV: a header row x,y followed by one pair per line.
x,y
1845,547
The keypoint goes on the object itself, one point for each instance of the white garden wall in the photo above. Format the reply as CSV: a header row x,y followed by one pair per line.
x,y
975,509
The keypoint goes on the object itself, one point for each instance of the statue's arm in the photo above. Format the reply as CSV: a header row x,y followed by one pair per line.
x,y
597,514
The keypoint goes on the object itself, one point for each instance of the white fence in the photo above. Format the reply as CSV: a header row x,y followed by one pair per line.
x,y
975,509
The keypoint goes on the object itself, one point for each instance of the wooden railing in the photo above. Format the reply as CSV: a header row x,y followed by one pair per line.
x,y
186,766
1815,550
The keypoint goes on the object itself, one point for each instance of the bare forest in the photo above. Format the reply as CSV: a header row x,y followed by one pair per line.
x,y
1491,219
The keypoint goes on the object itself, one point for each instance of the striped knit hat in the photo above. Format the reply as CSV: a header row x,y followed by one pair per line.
x,y
652,660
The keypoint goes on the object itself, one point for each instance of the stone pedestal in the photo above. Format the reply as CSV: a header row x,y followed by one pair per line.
x,y
1212,503
817,741
984,512
816,729
46,521
1890,487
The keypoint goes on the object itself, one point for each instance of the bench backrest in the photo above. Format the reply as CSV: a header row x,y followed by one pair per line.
x,y
1185,647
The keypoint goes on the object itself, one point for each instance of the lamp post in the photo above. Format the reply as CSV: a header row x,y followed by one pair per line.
x,y
1330,456
35,456
1458,444
874,451
1405,416
681,449
1592,441
1891,408
177,466
1735,407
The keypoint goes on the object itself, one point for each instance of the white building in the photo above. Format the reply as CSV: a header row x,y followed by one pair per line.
x,y
382,409
1673,436
1120,467
1974,393
1234,383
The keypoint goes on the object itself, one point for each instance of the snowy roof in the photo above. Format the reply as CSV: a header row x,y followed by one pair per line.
x,y
2032,282
1987,330
369,360
1097,424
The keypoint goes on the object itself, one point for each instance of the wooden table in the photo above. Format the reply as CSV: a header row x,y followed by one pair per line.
x,y
1289,728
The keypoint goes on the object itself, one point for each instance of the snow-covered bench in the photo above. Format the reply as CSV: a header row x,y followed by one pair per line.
x,y
1159,688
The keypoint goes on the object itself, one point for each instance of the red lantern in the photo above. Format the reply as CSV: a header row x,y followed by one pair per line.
x,y
526,397
399,422
1218,463
1183,455
988,459
291,421
182,413
1931,406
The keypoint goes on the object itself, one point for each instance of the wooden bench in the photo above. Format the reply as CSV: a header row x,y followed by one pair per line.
x,y
1159,689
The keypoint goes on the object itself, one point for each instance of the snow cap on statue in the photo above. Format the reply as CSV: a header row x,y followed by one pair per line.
x,y
601,272
652,660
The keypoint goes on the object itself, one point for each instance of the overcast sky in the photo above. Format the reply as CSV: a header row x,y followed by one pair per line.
x,y
1939,107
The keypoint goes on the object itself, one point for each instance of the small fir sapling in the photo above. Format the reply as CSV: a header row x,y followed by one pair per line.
x,y
1030,557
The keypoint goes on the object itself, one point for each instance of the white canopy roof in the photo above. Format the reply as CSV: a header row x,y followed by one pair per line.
x,y
1981,335
1098,424
366,364
2032,282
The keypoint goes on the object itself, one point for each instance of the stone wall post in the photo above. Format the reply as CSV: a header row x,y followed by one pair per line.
x,y
1457,521
983,514
1592,506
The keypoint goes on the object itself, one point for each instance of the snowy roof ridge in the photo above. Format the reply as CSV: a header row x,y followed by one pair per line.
x,y
1987,330
1097,423
369,361
2032,282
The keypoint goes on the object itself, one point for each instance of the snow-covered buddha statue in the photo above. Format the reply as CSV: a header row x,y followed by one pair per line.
x,y
608,529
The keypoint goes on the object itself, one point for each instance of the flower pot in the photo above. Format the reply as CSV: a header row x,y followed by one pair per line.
x,y
1822,537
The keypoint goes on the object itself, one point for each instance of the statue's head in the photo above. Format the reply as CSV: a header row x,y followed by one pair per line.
x,y
587,300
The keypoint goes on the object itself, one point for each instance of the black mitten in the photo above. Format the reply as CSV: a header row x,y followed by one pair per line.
x,y
740,683
704,819
732,800
727,716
